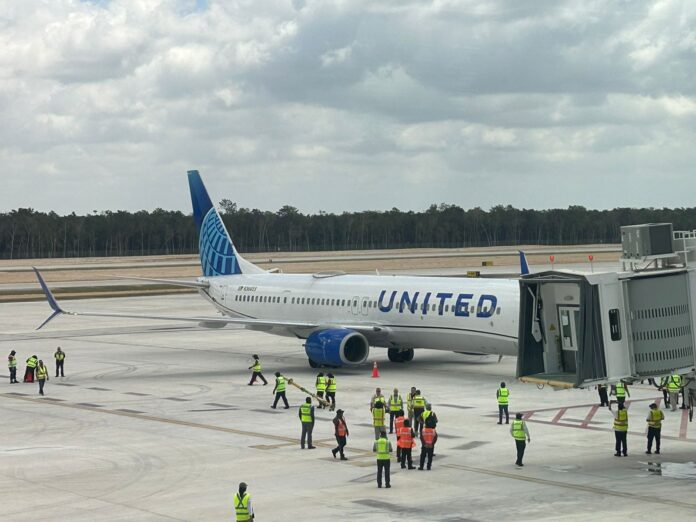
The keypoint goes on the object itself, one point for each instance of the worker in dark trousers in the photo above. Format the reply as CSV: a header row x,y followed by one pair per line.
x,y
665,393
341,433
520,432
398,424
621,391
31,368
503,394
12,366
331,389
306,413
428,440
396,404
418,409
655,418
378,419
620,429
320,385
42,376
383,448
242,504
674,384
406,443
256,371
409,404
603,397
60,361
279,391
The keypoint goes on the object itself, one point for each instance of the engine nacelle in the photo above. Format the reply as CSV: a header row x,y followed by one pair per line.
x,y
337,347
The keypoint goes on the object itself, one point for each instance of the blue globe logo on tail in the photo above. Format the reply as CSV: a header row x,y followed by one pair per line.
x,y
217,255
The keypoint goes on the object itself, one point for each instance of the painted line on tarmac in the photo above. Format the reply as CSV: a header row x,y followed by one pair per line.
x,y
577,487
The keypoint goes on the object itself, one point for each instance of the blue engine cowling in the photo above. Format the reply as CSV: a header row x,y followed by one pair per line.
x,y
337,347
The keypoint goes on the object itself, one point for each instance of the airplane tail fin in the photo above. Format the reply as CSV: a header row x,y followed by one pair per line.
x,y
217,253
524,267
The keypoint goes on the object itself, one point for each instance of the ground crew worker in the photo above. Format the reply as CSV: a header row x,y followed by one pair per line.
x,y
398,424
341,433
377,397
428,440
242,504
503,394
603,398
519,432
673,387
405,442
12,366
42,376
418,409
256,371
409,403
428,414
331,389
279,390
378,418
655,418
306,414
60,360
621,390
320,384
620,429
31,368
383,448
396,404
665,393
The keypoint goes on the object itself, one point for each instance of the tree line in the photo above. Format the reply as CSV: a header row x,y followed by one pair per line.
x,y
27,233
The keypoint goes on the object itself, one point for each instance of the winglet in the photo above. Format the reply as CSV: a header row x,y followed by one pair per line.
x,y
57,310
524,267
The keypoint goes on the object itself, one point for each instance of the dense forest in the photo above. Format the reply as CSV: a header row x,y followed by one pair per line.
x,y
26,233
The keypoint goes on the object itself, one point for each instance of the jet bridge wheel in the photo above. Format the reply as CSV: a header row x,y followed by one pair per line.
x,y
400,355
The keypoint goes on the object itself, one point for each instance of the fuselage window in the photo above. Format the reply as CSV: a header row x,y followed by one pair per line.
x,y
446,308
292,301
497,311
323,302
302,300
285,300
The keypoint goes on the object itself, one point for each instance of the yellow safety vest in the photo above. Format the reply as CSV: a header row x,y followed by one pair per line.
x,y
59,356
620,390
31,362
378,417
674,383
396,403
41,373
419,401
621,421
280,384
518,430
321,384
331,385
257,366
656,417
241,507
503,394
426,414
382,449
306,412
11,361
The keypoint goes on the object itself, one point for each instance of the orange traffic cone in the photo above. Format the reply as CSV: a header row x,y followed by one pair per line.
x,y
375,371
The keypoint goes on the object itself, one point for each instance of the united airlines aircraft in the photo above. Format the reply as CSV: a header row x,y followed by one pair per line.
x,y
340,316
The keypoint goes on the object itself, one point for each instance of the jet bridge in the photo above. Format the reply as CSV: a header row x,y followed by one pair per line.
x,y
579,330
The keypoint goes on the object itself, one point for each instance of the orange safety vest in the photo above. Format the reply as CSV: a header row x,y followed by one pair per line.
x,y
428,437
399,423
405,438
341,428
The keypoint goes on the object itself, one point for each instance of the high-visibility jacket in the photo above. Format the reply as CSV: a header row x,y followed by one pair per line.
x,y
396,403
280,384
32,362
41,373
382,448
257,366
425,415
341,429
321,384
428,437
620,390
399,423
503,394
331,385
306,413
11,361
674,383
419,402
621,421
378,417
656,417
405,438
241,507
518,430
59,355
409,402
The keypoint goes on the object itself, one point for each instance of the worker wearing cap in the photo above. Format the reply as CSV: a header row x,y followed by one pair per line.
x,y
503,395
12,366
428,440
320,384
383,448
341,433
306,413
242,504
655,418
378,418
674,384
406,443
256,371
520,432
279,390
396,404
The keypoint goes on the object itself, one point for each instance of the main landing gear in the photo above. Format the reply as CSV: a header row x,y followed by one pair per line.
x,y
400,355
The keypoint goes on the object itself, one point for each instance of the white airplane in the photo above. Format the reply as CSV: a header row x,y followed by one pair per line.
x,y
339,315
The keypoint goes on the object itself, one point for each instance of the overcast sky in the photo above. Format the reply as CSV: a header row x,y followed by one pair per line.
x,y
347,104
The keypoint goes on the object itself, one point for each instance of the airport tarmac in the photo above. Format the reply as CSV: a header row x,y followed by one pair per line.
x,y
155,421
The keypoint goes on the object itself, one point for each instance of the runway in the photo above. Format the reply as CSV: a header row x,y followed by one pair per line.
x,y
156,422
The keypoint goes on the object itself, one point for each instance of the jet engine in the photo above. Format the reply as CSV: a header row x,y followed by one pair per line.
x,y
337,347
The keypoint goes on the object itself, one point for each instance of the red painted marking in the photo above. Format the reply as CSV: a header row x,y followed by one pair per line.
x,y
527,414
684,421
589,416
558,416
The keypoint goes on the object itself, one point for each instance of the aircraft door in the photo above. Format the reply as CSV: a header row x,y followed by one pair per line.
x,y
568,319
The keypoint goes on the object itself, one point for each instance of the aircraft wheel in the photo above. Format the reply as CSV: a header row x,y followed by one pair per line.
x,y
394,355
407,355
